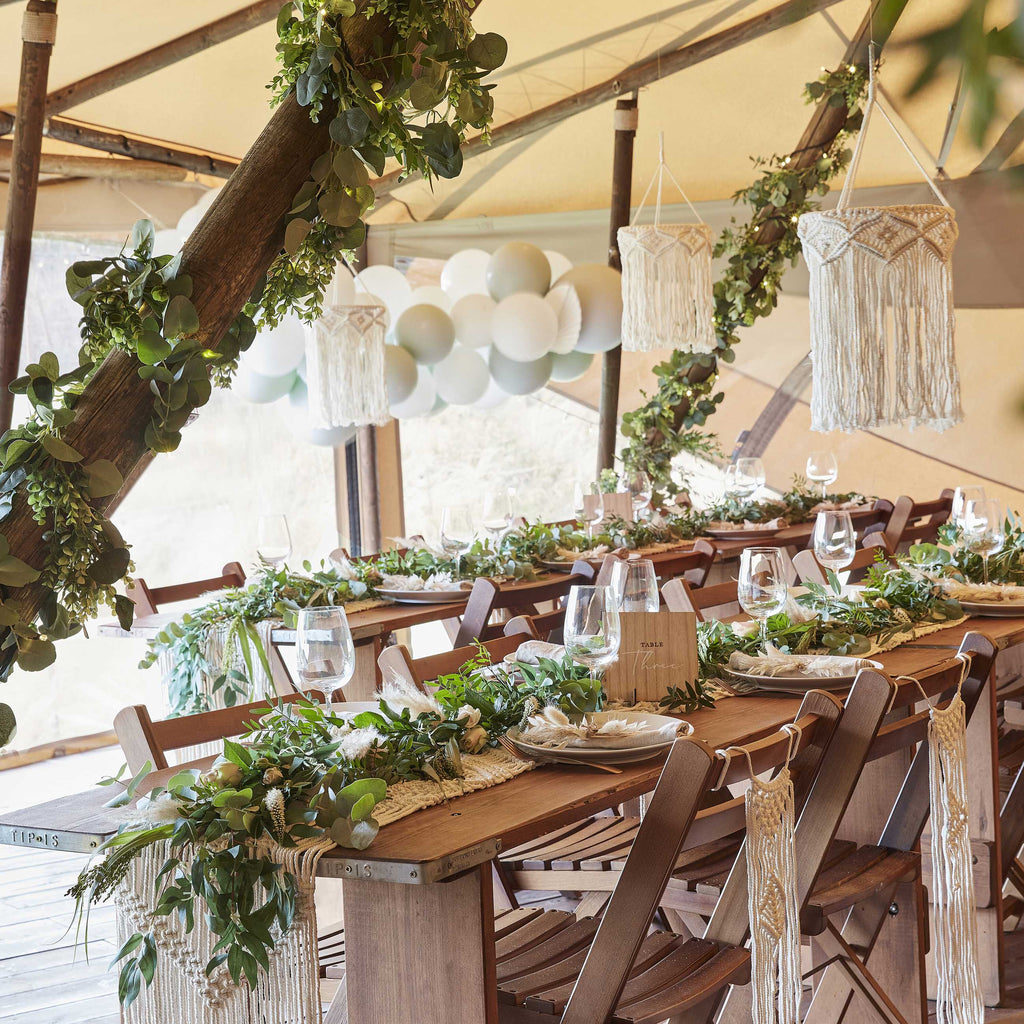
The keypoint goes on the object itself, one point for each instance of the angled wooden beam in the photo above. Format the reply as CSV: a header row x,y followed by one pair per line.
x,y
38,31
69,165
107,141
162,56
630,79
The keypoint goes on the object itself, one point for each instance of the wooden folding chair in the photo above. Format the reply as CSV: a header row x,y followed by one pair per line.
x,y
917,522
810,570
693,565
720,598
866,520
397,661
149,600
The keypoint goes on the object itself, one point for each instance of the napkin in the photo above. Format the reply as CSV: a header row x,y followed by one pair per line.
x,y
435,581
771,524
565,555
774,663
982,591
531,651
551,728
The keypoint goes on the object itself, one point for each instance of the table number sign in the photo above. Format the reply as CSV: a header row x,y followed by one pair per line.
x,y
618,504
658,651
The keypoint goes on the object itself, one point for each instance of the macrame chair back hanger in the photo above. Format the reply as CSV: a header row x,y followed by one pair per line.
x,y
792,729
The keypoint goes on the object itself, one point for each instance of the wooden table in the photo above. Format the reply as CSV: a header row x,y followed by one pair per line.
x,y
424,885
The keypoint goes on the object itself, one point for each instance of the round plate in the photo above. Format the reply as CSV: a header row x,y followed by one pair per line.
x,y
993,609
738,534
425,596
801,681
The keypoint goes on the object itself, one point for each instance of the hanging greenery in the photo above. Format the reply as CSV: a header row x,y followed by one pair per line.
x,y
670,421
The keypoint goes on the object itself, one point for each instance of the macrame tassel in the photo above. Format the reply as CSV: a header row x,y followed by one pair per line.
x,y
345,368
882,320
771,894
955,936
181,991
666,288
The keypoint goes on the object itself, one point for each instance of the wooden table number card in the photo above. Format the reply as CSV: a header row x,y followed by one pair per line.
x,y
658,651
618,504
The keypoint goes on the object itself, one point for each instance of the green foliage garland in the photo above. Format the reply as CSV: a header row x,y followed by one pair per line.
x,y
669,422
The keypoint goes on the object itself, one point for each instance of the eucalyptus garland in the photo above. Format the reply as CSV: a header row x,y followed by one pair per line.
x,y
669,422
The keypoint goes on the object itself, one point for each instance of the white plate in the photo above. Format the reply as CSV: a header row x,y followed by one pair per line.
x,y
560,566
459,596
606,755
993,609
801,681
762,533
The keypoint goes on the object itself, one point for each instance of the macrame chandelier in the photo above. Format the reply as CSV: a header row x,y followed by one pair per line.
x,y
881,300
666,278
345,368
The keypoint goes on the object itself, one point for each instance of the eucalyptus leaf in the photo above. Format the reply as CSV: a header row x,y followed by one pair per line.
x,y
60,450
350,127
180,317
488,50
110,566
295,234
103,478
8,725
35,655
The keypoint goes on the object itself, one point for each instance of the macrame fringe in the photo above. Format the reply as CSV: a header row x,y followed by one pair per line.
x,y
666,288
345,374
955,934
181,991
771,895
882,319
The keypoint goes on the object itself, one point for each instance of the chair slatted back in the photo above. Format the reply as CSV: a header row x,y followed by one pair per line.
x,y
144,740
865,520
915,522
148,600
679,596
396,660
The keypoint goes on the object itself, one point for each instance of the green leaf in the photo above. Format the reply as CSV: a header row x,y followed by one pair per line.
x,y
124,607
50,365
349,128
374,156
363,807
143,235
488,50
180,317
16,573
350,169
339,209
426,93
355,791
103,478
110,566
354,835
35,655
8,725
60,450
295,234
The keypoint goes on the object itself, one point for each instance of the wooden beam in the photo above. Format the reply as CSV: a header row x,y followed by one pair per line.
x,y
226,255
162,56
38,31
111,167
108,141
631,79
622,191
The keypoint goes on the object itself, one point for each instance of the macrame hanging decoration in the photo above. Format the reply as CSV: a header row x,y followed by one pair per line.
x,y
881,300
345,368
955,927
666,278
771,896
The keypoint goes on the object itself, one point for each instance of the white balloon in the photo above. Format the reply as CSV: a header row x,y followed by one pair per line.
x,y
568,366
342,289
462,376
517,378
260,389
566,304
207,199
167,242
465,273
432,296
278,351
298,397
427,332
599,289
473,316
421,401
400,374
493,397
525,327
439,406
301,369
559,264
518,267
388,285
332,437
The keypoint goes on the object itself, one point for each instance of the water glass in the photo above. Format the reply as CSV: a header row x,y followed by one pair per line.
x,y
762,589
497,513
961,496
982,527
823,469
835,540
635,585
640,488
592,632
749,477
457,532
273,540
588,504
324,652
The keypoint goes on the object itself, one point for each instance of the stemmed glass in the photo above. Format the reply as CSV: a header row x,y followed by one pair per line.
x,y
273,540
762,588
835,540
961,496
635,585
592,632
982,527
750,475
588,511
457,532
324,651
640,488
498,515
823,469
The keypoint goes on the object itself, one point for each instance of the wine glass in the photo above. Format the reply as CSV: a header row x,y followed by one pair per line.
x,y
835,540
823,469
961,496
762,589
749,478
324,652
635,585
273,540
983,529
640,488
457,532
497,513
592,632
588,504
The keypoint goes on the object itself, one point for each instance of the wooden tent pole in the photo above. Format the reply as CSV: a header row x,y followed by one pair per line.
x,y
38,31
107,167
622,188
